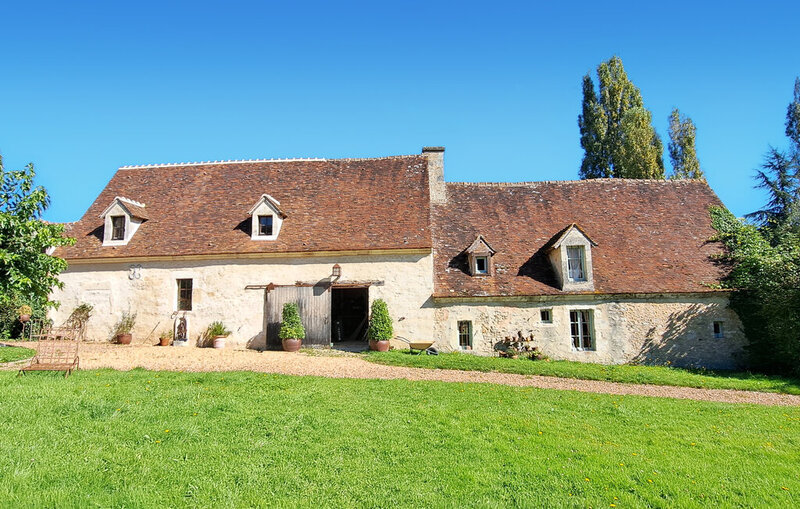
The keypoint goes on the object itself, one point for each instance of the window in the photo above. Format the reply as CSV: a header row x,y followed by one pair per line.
x,y
184,295
581,326
576,263
265,225
718,331
117,227
546,315
481,265
465,335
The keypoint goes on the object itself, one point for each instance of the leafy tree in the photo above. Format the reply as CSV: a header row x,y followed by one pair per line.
x,y
27,272
764,258
380,323
682,151
617,134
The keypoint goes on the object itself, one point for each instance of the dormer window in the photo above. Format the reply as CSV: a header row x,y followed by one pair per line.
x,y
570,254
576,263
265,225
117,227
267,218
121,219
479,257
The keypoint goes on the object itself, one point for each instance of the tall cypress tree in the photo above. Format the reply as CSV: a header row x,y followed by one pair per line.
x,y
617,134
682,151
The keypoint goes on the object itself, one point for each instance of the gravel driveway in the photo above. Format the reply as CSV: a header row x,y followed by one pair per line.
x,y
105,355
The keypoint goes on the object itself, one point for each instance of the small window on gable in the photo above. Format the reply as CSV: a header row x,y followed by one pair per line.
x,y
117,227
465,335
581,322
719,332
546,315
481,265
576,263
184,295
265,225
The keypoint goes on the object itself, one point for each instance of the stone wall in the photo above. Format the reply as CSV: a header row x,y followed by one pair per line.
x,y
652,330
150,290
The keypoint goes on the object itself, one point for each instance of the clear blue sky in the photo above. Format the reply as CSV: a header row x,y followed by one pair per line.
x,y
87,88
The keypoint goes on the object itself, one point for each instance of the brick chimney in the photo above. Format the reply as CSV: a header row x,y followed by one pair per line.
x,y
435,157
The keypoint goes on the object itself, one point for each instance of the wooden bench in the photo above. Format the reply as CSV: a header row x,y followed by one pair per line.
x,y
57,350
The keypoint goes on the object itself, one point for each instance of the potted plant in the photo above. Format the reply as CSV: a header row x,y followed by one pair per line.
x,y
123,328
165,338
292,331
24,313
217,332
380,327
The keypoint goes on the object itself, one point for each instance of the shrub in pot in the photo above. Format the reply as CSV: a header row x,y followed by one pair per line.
x,y
216,333
24,313
292,331
123,328
165,338
380,329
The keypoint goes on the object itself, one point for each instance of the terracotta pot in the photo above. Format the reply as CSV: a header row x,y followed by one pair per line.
x,y
24,318
379,346
164,341
292,345
124,339
219,341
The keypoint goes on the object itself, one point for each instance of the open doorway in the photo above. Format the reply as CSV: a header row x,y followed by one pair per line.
x,y
349,316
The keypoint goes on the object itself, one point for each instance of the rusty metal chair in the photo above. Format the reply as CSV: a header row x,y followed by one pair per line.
x,y
57,350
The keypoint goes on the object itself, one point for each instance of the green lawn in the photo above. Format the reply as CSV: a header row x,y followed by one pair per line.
x,y
15,353
656,375
160,439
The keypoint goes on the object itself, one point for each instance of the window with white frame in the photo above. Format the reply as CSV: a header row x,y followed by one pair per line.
x,y
546,315
481,265
117,227
465,335
265,225
581,322
576,263
718,330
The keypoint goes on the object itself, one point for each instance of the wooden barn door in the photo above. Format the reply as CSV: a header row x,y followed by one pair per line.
x,y
314,303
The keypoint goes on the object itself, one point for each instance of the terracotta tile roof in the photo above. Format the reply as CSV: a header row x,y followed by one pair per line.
x,y
201,209
652,236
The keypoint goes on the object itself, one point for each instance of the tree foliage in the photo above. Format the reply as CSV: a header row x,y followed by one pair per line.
x,y
765,274
291,326
682,151
780,177
27,272
380,323
617,133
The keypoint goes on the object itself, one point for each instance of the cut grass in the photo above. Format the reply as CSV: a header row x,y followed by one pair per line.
x,y
653,375
15,353
165,439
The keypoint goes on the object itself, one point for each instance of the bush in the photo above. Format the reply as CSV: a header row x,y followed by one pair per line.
x,y
380,323
291,326
125,324
217,329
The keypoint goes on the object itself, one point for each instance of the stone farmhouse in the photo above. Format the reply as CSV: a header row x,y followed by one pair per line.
x,y
606,270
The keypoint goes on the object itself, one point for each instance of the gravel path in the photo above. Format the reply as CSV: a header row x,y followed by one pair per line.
x,y
104,355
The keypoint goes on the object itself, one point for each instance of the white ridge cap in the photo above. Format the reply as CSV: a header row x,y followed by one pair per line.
x,y
230,161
